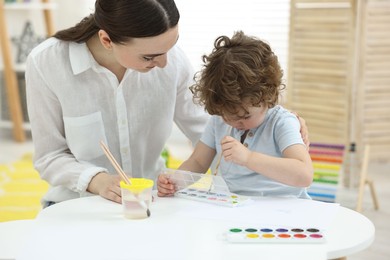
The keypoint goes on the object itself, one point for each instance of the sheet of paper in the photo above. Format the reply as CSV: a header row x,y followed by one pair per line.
x,y
286,212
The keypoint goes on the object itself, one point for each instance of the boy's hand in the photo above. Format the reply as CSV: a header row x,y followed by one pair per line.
x,y
165,187
234,151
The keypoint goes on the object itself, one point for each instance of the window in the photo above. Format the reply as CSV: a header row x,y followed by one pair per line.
x,y
203,20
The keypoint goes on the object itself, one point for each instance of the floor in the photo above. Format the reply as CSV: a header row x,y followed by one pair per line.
x,y
180,148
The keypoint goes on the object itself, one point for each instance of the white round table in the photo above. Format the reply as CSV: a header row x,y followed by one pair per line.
x,y
94,228
13,235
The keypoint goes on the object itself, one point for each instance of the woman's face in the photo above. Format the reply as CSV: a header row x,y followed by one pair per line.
x,y
246,121
143,54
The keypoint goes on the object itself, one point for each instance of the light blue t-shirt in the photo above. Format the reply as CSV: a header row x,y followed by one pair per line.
x,y
279,130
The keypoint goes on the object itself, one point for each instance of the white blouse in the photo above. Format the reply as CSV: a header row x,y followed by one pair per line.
x,y
74,103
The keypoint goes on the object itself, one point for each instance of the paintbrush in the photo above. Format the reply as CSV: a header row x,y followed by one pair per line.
x,y
123,175
219,161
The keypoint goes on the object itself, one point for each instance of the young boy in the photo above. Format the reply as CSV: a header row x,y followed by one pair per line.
x,y
262,149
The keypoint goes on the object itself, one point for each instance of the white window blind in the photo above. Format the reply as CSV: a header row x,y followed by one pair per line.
x,y
203,20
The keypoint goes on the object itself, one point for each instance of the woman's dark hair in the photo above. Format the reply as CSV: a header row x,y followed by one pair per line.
x,y
124,19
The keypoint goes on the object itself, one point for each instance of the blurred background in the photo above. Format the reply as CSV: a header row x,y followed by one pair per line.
x,y
335,55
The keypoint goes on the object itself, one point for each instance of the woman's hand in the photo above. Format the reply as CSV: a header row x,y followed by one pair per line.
x,y
165,188
304,130
107,186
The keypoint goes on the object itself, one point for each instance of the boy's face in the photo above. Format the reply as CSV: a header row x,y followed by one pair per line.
x,y
246,121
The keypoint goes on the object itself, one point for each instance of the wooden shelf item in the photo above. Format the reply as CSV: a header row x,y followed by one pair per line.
x,y
11,82
364,180
338,80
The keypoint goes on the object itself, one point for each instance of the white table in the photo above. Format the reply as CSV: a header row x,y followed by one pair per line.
x,y
94,228
13,234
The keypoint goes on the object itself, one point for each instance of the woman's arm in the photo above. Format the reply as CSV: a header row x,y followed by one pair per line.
x,y
303,130
53,158
189,117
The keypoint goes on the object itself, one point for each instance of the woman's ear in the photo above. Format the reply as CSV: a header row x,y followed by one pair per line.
x,y
105,39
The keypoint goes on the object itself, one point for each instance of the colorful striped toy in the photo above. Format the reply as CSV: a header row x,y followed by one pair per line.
x,y
327,164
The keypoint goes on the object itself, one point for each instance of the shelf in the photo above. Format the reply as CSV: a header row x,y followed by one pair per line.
x,y
9,125
11,69
20,67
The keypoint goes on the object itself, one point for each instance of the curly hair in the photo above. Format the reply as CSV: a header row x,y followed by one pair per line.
x,y
240,72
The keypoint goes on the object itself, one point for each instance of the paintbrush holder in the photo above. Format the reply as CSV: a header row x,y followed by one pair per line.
x,y
136,198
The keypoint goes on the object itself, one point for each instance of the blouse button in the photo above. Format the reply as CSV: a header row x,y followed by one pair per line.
x,y
246,144
250,134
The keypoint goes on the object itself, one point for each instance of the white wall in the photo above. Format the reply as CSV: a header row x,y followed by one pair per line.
x,y
201,22
70,12
66,14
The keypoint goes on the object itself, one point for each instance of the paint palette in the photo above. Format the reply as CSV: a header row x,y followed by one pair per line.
x,y
204,188
186,179
274,235
218,198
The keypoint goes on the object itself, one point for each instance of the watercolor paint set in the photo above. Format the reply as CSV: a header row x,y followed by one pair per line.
x,y
204,188
274,235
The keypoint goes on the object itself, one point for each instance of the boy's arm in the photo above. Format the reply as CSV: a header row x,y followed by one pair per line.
x,y
199,162
294,169
200,159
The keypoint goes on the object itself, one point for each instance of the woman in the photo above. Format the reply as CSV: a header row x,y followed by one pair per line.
x,y
108,78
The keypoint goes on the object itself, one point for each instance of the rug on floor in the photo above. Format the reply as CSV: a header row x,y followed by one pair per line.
x,y
21,188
